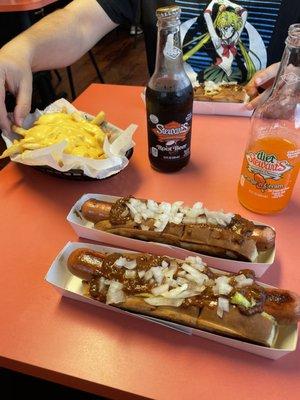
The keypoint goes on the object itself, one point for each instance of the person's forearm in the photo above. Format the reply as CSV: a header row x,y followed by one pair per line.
x,y
62,37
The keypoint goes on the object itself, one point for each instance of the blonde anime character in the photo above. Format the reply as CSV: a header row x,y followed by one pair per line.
x,y
224,33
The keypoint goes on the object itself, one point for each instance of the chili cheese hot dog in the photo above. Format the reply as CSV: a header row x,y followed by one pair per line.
x,y
219,234
186,292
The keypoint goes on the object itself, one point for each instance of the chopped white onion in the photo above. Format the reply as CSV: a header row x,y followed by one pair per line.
x,y
190,278
173,293
186,294
120,262
164,213
158,274
169,273
218,217
115,294
181,281
198,276
220,312
148,275
223,305
242,281
172,282
162,301
196,262
200,288
130,274
123,262
130,264
201,220
152,205
141,273
222,286
102,284
157,291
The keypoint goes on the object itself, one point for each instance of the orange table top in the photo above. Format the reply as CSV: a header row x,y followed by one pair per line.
x,y
85,347
23,5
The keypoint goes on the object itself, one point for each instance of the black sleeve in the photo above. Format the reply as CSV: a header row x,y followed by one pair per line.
x,y
120,11
289,14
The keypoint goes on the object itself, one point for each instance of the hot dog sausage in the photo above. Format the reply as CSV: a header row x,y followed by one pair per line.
x,y
94,210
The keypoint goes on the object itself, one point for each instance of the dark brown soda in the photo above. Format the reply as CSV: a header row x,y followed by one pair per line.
x,y
169,115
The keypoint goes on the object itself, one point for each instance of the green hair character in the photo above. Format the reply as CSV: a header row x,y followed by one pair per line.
x,y
229,18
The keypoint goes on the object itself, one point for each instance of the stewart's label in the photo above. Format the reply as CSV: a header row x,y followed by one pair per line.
x,y
269,172
169,124
171,131
267,165
171,140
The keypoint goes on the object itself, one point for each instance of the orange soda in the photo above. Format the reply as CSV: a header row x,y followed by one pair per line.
x,y
269,172
272,157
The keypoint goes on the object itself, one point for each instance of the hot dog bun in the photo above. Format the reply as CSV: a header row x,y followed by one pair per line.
x,y
186,292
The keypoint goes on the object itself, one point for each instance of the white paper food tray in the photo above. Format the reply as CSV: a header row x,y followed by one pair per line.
x,y
85,229
221,108
70,286
216,108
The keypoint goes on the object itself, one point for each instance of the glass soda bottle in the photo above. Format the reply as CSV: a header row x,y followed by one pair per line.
x,y
272,157
169,98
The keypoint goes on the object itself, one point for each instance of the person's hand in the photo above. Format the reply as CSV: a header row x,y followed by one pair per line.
x,y
16,77
262,79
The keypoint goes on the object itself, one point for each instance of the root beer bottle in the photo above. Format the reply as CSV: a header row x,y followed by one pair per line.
x,y
169,98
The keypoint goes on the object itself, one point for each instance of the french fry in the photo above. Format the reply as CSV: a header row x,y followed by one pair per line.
x,y
100,117
12,150
83,138
19,130
77,117
32,146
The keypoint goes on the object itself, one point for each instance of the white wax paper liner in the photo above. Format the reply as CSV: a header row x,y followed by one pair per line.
x,y
53,156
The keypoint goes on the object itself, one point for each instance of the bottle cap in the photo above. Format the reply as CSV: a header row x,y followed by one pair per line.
x,y
169,11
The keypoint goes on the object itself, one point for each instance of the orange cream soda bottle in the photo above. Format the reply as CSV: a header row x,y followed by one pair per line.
x,y
272,157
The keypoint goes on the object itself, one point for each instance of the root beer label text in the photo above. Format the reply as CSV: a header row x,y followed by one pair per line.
x,y
172,131
170,141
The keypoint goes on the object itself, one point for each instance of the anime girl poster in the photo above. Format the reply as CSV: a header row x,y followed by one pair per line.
x,y
221,38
